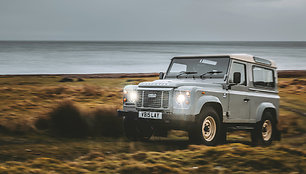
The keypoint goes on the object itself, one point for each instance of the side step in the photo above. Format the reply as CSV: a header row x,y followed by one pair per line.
x,y
240,127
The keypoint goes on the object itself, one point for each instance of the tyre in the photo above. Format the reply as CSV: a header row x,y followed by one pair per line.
x,y
264,130
207,129
135,130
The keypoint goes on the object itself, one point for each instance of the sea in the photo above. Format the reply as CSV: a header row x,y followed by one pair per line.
x,y
67,57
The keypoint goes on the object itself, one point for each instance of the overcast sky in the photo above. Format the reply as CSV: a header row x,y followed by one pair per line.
x,y
153,20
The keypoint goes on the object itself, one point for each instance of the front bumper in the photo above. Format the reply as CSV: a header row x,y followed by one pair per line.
x,y
181,122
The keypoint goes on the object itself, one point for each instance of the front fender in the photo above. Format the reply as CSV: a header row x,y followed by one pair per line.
x,y
205,99
261,108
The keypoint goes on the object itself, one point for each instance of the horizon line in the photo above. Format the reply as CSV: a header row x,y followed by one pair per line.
x,y
152,41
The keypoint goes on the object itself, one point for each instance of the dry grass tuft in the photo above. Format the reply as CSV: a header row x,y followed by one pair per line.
x,y
143,168
56,90
106,122
92,156
21,126
42,123
69,120
90,90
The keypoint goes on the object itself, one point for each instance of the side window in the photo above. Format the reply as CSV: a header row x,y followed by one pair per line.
x,y
263,77
238,67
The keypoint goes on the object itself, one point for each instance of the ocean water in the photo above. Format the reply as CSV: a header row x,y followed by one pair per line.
x,y
130,57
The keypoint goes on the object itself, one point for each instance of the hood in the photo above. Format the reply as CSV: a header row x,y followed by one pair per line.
x,y
174,83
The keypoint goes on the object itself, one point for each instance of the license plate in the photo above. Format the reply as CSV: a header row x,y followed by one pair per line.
x,y
151,115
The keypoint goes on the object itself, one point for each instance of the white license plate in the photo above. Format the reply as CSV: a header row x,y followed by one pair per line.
x,y
151,115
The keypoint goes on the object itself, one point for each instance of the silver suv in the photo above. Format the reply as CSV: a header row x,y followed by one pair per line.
x,y
206,95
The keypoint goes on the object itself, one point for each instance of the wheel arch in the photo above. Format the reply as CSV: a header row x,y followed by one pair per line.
x,y
213,102
266,107
217,107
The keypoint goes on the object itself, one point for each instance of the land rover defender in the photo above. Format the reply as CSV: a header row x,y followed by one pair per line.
x,y
206,95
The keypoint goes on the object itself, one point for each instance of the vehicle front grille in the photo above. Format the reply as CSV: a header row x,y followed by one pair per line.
x,y
153,99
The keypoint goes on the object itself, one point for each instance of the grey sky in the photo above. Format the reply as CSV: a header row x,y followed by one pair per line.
x,y
189,20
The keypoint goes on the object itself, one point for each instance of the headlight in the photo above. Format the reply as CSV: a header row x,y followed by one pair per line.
x,y
182,99
130,96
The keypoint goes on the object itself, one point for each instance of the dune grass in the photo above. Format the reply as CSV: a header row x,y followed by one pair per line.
x,y
31,146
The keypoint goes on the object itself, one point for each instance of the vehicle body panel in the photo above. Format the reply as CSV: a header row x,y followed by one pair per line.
x,y
241,104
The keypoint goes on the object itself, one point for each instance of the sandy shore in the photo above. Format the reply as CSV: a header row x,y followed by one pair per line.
x,y
281,74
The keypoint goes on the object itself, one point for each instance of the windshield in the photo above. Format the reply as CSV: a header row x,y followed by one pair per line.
x,y
215,67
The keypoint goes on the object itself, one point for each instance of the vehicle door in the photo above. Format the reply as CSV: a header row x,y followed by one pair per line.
x,y
238,94
262,90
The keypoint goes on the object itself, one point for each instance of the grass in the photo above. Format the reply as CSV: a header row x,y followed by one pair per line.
x,y
169,156
68,121
31,146
71,121
25,99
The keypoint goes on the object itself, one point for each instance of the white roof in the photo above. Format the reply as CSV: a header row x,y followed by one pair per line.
x,y
242,57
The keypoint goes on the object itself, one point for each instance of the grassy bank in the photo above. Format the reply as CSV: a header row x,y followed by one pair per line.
x,y
26,149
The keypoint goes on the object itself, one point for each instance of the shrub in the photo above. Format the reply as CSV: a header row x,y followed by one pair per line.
x,y
106,122
89,90
67,121
66,79
42,123
3,129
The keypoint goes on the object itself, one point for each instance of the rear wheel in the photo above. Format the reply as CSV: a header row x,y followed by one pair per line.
x,y
264,131
208,128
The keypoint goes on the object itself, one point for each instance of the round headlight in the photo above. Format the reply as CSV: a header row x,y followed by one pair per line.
x,y
132,96
180,98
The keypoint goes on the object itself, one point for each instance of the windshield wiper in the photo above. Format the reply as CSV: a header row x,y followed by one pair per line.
x,y
185,72
210,72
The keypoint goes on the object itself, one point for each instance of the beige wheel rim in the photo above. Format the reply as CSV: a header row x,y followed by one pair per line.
x,y
267,130
209,128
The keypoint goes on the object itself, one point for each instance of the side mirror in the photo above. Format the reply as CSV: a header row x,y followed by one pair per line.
x,y
237,77
161,75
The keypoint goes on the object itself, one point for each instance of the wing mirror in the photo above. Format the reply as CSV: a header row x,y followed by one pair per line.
x,y
161,75
236,80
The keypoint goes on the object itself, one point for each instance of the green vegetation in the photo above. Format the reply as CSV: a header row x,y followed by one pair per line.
x,y
36,137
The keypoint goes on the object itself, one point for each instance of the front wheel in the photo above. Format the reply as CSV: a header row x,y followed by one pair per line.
x,y
208,128
264,131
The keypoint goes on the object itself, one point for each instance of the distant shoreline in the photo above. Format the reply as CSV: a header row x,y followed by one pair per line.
x,y
281,74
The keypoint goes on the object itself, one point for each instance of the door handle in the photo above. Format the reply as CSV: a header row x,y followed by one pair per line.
x,y
246,100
